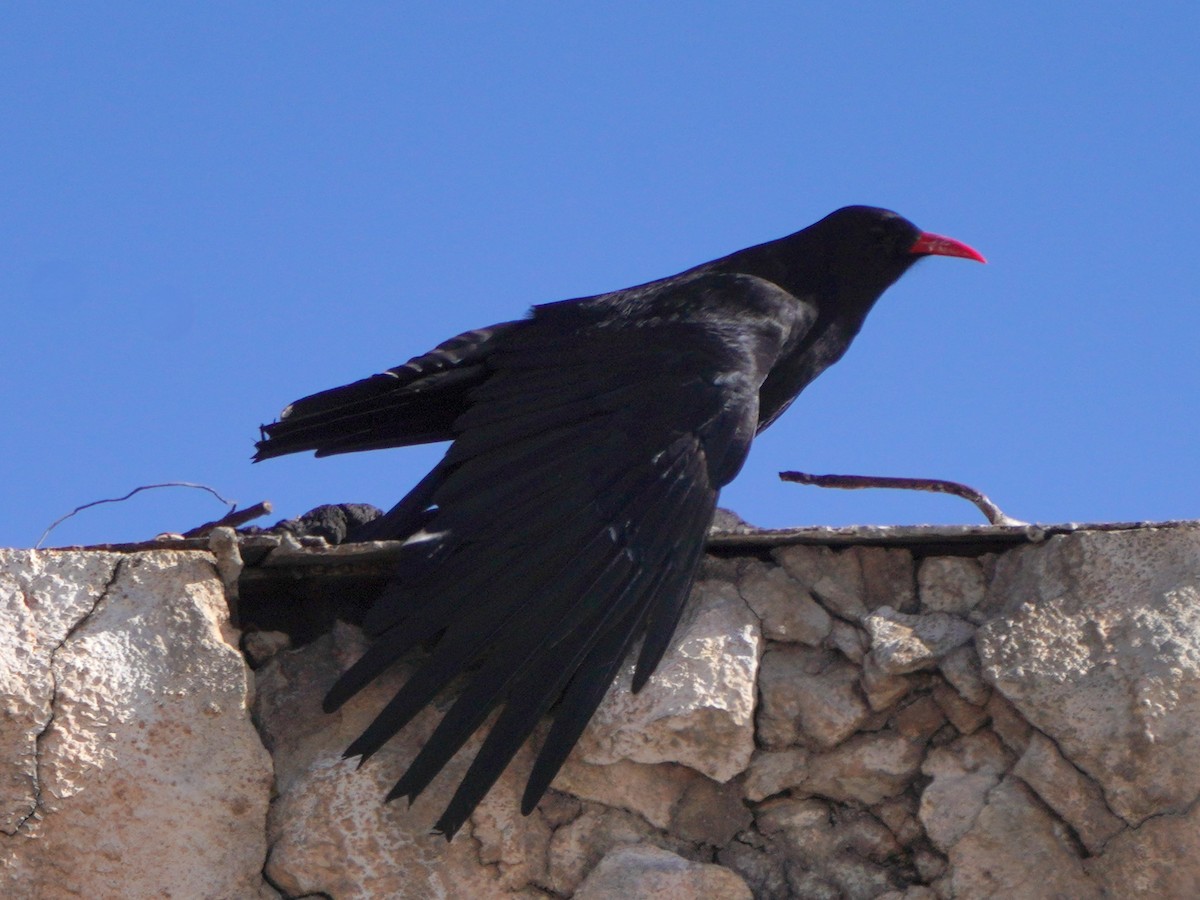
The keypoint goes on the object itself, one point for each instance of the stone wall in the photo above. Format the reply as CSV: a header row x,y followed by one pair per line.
x,y
902,719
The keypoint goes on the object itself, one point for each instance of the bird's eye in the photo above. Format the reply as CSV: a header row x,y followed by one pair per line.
x,y
882,240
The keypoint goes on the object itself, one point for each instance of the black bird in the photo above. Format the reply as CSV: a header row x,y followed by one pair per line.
x,y
589,442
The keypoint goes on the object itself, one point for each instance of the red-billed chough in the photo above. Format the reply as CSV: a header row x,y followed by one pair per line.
x,y
589,441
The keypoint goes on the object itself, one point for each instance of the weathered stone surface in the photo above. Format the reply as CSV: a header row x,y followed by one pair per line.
x,y
788,612
576,848
754,858
1160,859
1097,643
899,814
865,769
126,711
260,646
964,773
848,640
903,643
888,579
808,695
920,719
1015,848
829,851
964,716
698,708
950,584
930,865
43,596
671,797
710,813
642,870
864,783
882,690
961,668
287,708
916,892
772,771
652,792
329,829
833,578
1008,724
332,834
1068,792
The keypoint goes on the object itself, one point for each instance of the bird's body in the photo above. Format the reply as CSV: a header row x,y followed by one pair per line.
x,y
590,441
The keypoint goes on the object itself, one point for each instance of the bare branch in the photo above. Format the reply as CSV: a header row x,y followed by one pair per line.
x,y
994,514
145,487
234,519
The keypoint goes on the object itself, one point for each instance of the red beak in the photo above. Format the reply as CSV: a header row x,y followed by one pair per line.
x,y
928,244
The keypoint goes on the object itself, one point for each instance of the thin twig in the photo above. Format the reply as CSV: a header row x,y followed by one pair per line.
x,y
145,487
234,519
994,514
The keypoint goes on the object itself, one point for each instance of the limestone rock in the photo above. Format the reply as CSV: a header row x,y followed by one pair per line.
x,y
772,771
43,597
1097,643
640,870
126,710
1008,723
951,584
1015,848
787,611
834,579
899,814
850,641
865,769
963,773
1159,859
808,695
1050,756
961,668
710,813
329,829
668,796
887,577
964,716
882,690
903,643
829,851
753,857
1068,792
260,646
652,792
576,848
698,708
920,719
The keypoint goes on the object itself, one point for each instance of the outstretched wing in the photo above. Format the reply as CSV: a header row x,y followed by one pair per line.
x,y
566,521
414,403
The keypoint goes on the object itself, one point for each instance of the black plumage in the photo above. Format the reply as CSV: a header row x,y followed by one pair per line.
x,y
589,442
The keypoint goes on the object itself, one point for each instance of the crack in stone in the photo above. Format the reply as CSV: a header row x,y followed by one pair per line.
x,y
284,895
1086,777
763,639
1182,814
40,737
1077,844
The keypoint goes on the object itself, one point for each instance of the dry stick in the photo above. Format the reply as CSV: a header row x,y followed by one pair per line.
x,y
145,487
994,514
233,519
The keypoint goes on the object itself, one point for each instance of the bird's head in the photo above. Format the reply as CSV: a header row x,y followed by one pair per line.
x,y
867,249
880,237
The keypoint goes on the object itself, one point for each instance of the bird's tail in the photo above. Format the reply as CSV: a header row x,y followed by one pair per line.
x,y
415,403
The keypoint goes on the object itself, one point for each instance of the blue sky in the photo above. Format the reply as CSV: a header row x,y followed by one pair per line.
x,y
210,210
